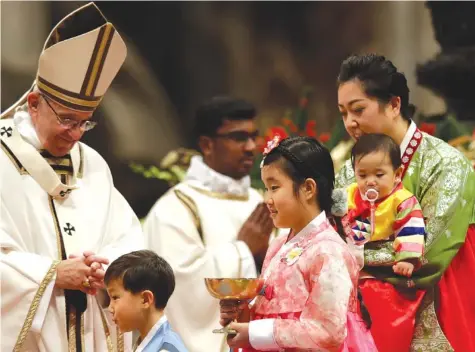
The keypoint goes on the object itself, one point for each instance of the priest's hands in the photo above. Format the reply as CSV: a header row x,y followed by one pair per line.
x,y
256,230
96,279
83,273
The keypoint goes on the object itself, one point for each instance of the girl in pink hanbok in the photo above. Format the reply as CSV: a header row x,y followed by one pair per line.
x,y
309,300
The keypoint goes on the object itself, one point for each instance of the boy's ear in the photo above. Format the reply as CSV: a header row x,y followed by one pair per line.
x,y
148,300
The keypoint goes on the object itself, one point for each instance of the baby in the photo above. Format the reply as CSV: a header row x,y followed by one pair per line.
x,y
380,209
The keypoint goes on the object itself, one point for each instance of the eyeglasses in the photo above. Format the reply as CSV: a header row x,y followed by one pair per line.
x,y
71,124
239,136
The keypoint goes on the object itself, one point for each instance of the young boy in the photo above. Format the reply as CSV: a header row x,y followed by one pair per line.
x,y
139,285
380,209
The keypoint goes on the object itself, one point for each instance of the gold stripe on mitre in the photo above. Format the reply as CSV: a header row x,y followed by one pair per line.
x,y
77,72
98,58
66,98
80,58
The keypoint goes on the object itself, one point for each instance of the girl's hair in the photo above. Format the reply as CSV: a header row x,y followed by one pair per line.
x,y
302,158
380,79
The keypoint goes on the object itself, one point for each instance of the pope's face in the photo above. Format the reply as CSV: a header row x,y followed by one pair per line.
x,y
46,114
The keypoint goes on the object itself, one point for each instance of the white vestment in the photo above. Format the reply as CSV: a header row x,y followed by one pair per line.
x,y
91,215
194,226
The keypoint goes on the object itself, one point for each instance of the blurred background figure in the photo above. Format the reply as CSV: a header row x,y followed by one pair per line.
x,y
213,224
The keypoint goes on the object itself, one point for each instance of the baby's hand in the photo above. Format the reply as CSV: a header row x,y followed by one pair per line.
x,y
403,268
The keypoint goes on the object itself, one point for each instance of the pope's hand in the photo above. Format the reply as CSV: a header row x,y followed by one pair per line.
x,y
72,274
97,275
91,267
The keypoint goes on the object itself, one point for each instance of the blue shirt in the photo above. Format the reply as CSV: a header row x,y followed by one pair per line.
x,y
162,338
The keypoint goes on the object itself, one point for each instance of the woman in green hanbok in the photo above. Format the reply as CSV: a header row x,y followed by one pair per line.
x,y
373,97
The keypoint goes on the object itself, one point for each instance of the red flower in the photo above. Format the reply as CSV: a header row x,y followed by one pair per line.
x,y
290,125
428,128
261,143
276,131
271,133
310,129
324,137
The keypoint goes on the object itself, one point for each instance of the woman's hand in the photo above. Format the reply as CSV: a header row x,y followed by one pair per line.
x,y
241,339
231,310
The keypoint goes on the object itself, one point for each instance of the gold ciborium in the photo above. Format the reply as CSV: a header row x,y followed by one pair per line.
x,y
233,289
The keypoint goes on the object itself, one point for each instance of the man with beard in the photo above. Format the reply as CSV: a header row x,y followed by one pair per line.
x,y
213,224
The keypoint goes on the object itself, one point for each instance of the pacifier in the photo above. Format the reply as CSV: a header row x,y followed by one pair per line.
x,y
371,195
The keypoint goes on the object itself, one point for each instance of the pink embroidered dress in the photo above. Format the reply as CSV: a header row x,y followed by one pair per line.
x,y
310,299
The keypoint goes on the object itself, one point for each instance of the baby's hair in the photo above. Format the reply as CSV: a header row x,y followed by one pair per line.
x,y
143,270
375,142
302,158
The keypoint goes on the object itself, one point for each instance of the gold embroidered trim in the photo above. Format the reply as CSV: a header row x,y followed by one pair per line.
x,y
110,346
191,206
120,340
13,159
34,306
100,57
428,335
62,172
72,330
67,98
217,195
136,344
56,227
81,162
82,333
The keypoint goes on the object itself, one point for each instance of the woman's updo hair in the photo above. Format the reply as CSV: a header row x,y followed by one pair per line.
x,y
302,158
380,79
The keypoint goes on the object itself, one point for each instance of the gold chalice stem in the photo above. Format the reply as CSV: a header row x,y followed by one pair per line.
x,y
226,329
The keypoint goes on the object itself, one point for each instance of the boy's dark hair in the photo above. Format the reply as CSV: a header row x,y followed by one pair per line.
x,y
143,270
375,142
210,115
380,79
